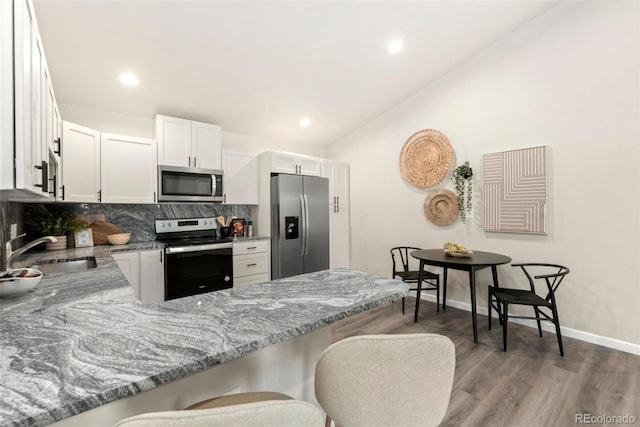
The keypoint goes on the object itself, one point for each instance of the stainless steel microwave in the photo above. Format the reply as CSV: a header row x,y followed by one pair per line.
x,y
183,184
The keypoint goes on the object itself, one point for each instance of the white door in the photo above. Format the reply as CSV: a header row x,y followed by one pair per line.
x,y
6,96
27,153
339,237
129,263
151,277
240,178
206,145
128,169
310,166
339,182
284,163
81,169
174,141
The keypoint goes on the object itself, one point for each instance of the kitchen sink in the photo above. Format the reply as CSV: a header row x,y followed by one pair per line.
x,y
70,266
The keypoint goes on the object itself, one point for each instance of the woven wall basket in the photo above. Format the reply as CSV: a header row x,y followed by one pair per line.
x,y
441,207
426,158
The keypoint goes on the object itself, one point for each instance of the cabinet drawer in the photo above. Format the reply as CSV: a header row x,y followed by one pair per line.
x,y
250,280
246,265
250,247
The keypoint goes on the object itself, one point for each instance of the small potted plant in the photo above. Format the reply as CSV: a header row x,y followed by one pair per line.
x,y
59,225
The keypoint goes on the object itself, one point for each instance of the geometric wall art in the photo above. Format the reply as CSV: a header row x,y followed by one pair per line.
x,y
515,191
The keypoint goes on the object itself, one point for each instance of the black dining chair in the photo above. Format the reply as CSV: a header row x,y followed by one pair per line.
x,y
430,281
545,308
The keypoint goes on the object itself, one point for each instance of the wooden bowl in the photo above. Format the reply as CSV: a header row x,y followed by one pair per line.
x,y
119,238
24,280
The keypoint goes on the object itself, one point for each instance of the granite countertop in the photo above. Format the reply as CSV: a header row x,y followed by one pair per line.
x,y
80,340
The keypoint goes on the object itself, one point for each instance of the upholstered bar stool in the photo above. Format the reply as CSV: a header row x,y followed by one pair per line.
x,y
386,380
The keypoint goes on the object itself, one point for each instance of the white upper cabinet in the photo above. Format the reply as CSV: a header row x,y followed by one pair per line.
x,y
206,145
240,178
187,143
174,141
108,168
81,173
27,105
28,62
295,164
128,169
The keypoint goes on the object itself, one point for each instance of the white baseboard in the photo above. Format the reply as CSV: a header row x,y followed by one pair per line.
x,y
547,326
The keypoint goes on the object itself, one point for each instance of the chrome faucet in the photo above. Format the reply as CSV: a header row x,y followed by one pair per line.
x,y
10,254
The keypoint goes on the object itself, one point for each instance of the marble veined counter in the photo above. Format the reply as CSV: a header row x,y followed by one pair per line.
x,y
81,340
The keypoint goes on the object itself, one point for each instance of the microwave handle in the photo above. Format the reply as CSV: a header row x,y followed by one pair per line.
x,y
213,185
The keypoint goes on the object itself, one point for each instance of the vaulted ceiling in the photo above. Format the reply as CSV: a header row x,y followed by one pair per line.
x,y
256,68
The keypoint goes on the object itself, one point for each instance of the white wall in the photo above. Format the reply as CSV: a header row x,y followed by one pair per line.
x,y
569,80
111,122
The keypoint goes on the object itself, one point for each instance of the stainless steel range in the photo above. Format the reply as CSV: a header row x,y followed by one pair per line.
x,y
197,260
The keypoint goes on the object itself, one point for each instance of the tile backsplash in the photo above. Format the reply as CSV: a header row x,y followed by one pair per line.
x,y
139,219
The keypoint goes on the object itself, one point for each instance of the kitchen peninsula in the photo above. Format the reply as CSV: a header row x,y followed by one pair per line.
x,y
80,349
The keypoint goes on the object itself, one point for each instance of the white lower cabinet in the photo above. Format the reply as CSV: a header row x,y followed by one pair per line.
x,y
129,263
251,262
151,276
145,272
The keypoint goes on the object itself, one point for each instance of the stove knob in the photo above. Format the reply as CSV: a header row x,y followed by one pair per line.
x,y
162,225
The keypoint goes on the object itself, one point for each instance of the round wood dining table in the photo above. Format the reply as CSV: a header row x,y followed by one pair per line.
x,y
477,261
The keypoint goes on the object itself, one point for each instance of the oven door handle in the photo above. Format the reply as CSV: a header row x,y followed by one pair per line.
x,y
196,248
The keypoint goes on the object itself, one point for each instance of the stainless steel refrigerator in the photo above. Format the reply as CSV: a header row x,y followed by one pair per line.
x,y
299,225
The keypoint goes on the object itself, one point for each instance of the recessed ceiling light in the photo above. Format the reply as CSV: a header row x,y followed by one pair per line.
x,y
305,122
395,46
129,79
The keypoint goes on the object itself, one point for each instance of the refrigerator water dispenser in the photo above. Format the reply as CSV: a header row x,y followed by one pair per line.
x,y
291,227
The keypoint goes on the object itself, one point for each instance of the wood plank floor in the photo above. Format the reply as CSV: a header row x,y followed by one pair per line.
x,y
529,385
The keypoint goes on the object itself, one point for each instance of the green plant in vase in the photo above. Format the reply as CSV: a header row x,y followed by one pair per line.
x,y
59,224
464,188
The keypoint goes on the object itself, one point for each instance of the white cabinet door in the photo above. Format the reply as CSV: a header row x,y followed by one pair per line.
x,y
284,163
81,171
28,56
310,166
6,95
151,276
129,263
128,169
174,141
338,174
206,145
240,178
295,164
339,237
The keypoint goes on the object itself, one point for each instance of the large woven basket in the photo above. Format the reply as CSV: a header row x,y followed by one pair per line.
x,y
441,207
426,158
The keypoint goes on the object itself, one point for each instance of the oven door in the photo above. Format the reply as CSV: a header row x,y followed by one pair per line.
x,y
192,270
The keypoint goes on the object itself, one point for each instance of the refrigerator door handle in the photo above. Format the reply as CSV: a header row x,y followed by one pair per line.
x,y
303,211
306,225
